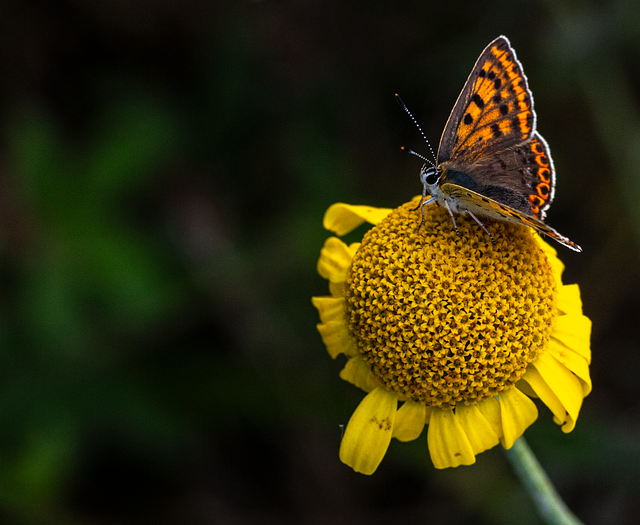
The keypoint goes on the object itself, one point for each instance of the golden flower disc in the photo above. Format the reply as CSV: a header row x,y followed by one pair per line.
x,y
441,318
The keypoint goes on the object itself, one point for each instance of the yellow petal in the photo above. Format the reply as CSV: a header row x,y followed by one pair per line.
x,y
369,431
517,412
448,442
336,289
358,372
329,308
564,385
342,218
525,388
336,338
569,301
335,260
575,332
478,429
535,381
569,424
574,362
409,421
427,415
490,408
557,266
353,248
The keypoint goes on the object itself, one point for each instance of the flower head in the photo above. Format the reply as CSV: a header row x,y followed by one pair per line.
x,y
462,331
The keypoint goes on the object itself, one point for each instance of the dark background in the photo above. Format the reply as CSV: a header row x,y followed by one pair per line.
x,y
164,168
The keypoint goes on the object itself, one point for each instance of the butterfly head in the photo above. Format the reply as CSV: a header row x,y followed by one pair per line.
x,y
430,178
429,175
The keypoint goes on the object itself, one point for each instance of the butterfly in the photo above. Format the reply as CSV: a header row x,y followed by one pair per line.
x,y
491,160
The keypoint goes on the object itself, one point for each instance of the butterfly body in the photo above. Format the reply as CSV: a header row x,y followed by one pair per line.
x,y
491,160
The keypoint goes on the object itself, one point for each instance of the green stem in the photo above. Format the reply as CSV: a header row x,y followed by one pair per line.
x,y
550,506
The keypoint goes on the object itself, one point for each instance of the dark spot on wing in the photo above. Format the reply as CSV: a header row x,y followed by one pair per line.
x,y
477,100
516,123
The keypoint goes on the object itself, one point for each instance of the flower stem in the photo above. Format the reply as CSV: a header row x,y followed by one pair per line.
x,y
550,506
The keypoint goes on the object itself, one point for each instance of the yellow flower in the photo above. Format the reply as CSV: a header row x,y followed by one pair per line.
x,y
462,331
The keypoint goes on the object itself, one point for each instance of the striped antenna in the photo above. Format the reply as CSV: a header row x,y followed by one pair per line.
x,y
406,110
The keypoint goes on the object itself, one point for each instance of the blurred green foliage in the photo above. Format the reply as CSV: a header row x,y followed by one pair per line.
x,y
165,167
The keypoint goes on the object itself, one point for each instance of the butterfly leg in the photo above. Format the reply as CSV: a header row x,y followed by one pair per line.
x,y
419,204
455,226
422,205
424,196
481,226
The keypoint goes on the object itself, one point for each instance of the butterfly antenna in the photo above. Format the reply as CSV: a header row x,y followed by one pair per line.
x,y
406,110
416,154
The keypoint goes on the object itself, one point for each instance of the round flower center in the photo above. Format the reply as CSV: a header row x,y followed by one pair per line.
x,y
441,318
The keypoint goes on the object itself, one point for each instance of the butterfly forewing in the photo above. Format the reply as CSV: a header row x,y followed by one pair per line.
x,y
494,111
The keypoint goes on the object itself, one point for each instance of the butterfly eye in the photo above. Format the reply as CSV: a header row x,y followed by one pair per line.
x,y
432,178
429,175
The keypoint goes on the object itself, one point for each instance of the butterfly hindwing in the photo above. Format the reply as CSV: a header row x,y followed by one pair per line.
x,y
526,170
494,110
